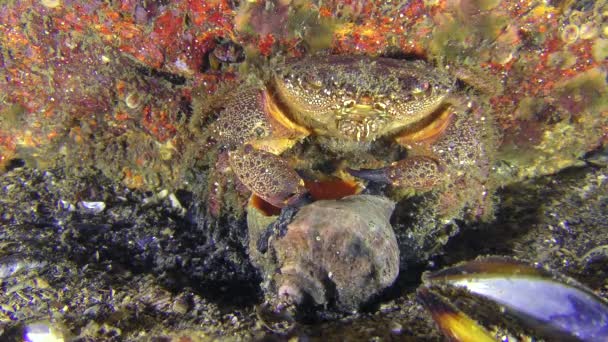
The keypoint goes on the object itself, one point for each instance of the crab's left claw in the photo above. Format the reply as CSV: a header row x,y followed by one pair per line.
x,y
267,175
418,172
492,297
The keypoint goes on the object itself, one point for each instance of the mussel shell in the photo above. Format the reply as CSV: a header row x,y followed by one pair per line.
x,y
526,300
453,322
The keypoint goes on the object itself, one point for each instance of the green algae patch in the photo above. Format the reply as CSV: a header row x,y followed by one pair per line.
x,y
555,132
600,50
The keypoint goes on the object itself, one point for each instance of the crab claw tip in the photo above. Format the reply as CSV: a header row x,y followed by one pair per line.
x,y
374,175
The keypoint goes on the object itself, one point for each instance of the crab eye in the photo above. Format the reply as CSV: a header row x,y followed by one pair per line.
x,y
413,84
335,83
349,104
313,82
380,106
420,87
288,77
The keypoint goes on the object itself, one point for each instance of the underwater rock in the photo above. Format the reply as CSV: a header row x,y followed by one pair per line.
x,y
338,253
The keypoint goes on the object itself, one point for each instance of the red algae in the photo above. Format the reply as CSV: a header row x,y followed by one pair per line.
x,y
61,64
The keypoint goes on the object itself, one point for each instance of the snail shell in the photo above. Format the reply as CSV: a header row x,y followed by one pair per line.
x,y
336,252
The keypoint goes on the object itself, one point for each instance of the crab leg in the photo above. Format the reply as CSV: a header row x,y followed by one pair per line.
x,y
267,175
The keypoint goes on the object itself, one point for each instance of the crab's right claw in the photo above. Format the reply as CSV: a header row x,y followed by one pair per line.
x,y
267,175
418,172
492,297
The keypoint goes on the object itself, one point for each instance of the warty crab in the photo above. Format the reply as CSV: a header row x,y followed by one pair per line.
x,y
360,114
360,121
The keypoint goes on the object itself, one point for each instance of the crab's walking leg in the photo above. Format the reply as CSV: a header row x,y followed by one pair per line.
x,y
267,175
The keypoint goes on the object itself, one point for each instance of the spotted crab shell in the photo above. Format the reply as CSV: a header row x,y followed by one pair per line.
x,y
337,252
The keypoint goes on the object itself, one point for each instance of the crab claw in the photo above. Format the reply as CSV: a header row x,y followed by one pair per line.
x,y
267,175
418,172
511,298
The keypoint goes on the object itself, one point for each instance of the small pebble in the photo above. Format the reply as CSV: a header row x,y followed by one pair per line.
x,y
42,332
92,207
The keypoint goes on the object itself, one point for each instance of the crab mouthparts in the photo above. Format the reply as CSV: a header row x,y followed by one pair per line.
x,y
359,129
361,109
